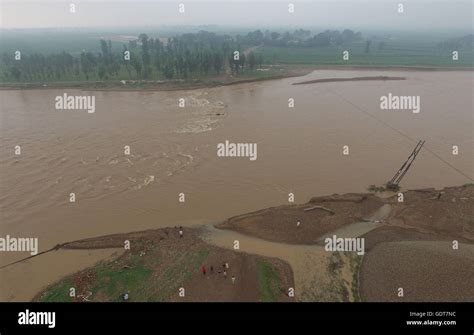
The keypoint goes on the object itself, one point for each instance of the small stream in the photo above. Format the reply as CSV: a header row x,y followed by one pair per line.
x,y
309,262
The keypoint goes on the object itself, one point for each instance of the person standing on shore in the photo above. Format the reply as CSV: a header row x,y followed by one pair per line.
x,y
203,270
181,233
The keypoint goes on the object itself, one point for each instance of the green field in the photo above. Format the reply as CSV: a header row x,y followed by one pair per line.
x,y
382,52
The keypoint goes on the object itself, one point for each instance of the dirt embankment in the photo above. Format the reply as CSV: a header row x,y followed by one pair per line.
x,y
447,213
408,245
424,214
331,80
162,266
319,216
423,245
392,68
277,72
426,253
284,71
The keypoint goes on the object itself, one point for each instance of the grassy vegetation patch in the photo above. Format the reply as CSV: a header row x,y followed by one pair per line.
x,y
58,293
269,279
115,282
152,276
375,188
165,282
355,264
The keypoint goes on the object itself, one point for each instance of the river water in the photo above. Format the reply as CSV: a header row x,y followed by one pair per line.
x,y
174,150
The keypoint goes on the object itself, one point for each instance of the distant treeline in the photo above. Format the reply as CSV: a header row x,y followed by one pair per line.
x,y
465,42
184,56
300,38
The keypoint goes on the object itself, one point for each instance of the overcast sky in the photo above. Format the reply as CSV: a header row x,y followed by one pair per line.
x,y
418,14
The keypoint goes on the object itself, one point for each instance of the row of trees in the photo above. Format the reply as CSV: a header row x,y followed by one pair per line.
x,y
460,43
184,56
300,38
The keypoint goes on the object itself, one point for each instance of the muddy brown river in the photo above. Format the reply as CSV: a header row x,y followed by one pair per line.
x,y
173,150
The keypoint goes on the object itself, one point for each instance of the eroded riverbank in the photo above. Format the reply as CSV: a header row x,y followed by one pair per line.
x,y
173,151
318,274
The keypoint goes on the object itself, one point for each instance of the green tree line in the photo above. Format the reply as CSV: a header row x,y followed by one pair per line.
x,y
181,57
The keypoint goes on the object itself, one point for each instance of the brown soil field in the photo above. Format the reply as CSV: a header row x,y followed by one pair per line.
x,y
427,272
396,234
159,263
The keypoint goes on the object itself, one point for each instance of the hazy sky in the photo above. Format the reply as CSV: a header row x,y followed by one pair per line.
x,y
418,14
